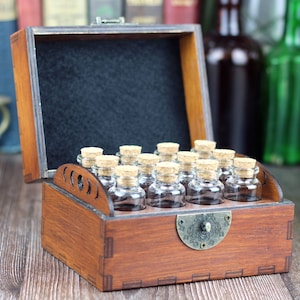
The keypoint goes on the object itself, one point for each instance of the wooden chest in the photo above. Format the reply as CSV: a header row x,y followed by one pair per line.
x,y
110,85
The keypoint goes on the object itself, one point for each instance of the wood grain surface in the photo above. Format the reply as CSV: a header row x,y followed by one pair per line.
x,y
29,272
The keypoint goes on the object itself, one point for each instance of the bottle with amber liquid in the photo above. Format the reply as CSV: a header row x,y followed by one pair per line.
x,y
282,135
234,64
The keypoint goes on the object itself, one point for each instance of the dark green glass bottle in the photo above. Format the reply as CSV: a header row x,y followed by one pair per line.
x,y
282,134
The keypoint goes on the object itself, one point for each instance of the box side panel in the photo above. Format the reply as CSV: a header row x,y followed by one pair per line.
x,y
73,234
31,170
148,251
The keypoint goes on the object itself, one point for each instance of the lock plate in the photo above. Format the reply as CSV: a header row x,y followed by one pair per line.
x,y
204,230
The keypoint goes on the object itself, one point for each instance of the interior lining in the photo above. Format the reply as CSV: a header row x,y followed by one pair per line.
x,y
110,92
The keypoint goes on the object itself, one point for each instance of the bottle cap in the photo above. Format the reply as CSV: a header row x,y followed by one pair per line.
x,y
167,147
204,145
167,172
244,166
108,161
130,150
207,164
126,171
207,168
224,156
126,175
91,152
187,156
244,162
147,159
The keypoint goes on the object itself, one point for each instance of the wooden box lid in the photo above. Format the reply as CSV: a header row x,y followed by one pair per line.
x,y
105,86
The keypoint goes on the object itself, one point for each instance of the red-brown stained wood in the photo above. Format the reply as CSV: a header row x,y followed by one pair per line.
x,y
73,233
25,109
132,250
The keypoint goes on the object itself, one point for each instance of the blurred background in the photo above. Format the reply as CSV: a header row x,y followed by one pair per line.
x,y
251,50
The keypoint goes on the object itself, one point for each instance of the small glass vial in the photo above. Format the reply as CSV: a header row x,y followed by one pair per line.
x,y
87,156
243,185
206,188
166,191
127,195
128,154
167,151
204,148
186,160
104,169
225,158
146,164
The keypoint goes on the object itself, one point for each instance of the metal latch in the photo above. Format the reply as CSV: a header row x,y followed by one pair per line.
x,y
102,21
204,230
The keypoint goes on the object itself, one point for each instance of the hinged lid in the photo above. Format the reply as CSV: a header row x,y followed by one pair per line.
x,y
105,86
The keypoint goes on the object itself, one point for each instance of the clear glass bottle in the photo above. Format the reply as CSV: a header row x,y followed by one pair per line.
x,y
186,160
146,165
127,195
206,188
166,191
128,154
282,106
204,148
243,185
225,159
104,169
234,64
87,157
167,151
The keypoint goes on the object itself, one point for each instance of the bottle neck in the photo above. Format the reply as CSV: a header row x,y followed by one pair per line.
x,y
229,17
292,27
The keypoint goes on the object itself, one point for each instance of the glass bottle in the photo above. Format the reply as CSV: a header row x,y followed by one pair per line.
x,y
204,148
146,165
128,154
234,64
206,188
225,159
282,134
87,157
167,151
127,195
243,185
166,191
186,160
104,169
264,21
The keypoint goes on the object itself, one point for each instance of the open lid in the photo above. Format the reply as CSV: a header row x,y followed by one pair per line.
x,y
105,86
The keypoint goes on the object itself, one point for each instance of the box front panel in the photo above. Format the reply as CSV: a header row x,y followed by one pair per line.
x,y
148,251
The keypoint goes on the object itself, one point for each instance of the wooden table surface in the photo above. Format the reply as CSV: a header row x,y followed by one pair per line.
x,y
29,272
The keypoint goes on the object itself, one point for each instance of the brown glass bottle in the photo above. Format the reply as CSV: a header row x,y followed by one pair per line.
x,y
234,68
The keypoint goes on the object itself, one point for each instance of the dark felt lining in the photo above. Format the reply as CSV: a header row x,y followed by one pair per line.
x,y
110,92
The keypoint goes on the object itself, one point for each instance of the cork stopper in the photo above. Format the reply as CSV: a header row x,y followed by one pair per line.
x,y
167,147
187,160
204,148
130,150
88,155
106,164
244,166
167,172
207,169
126,175
91,152
204,145
147,162
224,156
